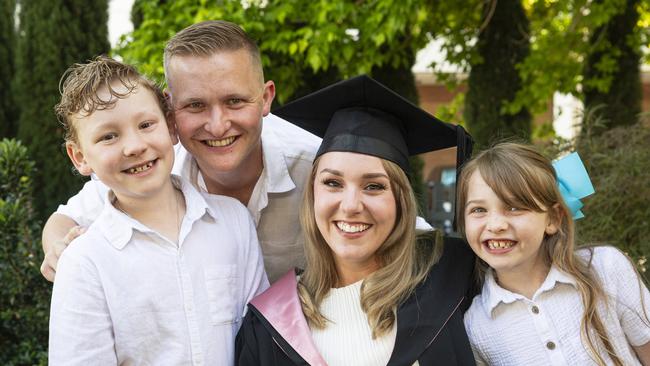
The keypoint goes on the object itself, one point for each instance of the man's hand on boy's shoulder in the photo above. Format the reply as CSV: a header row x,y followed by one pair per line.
x,y
54,244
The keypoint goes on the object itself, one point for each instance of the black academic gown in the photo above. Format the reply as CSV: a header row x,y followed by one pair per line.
x,y
429,323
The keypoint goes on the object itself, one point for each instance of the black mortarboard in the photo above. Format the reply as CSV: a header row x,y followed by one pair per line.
x,y
363,116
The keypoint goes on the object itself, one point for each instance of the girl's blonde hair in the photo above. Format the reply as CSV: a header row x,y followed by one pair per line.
x,y
522,177
404,261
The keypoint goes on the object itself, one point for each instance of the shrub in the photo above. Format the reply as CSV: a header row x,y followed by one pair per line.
x,y
618,162
24,294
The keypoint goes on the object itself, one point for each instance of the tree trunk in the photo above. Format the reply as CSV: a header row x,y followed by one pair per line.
x,y
613,95
493,80
8,113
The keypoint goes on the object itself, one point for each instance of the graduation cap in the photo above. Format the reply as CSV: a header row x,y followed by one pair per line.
x,y
363,116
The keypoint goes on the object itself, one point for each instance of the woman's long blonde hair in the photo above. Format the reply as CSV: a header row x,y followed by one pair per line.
x,y
404,261
522,177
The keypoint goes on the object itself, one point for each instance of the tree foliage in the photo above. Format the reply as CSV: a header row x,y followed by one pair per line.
x,y
560,33
24,295
563,34
7,45
53,35
298,39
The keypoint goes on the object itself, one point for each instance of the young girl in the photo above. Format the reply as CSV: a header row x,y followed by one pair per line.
x,y
543,302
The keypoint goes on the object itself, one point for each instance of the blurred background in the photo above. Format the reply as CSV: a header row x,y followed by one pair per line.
x,y
566,75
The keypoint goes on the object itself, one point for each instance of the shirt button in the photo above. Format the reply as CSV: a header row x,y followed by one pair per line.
x,y
535,309
550,345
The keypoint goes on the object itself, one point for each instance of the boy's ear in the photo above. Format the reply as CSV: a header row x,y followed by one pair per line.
x,y
77,157
554,219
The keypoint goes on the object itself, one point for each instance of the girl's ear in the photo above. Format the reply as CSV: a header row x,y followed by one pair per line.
x,y
77,157
554,219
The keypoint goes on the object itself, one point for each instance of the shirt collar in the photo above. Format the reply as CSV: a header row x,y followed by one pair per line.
x,y
275,177
494,295
186,166
118,227
422,226
276,171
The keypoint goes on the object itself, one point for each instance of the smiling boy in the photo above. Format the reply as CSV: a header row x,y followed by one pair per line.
x,y
162,276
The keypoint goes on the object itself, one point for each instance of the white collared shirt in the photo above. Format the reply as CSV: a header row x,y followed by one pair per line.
x,y
288,154
506,328
125,294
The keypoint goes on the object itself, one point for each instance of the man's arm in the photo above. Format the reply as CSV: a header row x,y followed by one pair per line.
x,y
60,229
58,232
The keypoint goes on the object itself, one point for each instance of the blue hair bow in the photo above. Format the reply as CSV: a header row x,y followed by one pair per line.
x,y
573,182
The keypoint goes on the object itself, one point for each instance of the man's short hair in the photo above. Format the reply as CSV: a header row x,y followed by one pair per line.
x,y
80,84
210,37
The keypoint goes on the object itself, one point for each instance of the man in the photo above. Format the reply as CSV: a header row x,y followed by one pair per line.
x,y
231,144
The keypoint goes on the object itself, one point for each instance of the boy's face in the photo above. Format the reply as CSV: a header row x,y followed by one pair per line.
x,y
219,102
128,146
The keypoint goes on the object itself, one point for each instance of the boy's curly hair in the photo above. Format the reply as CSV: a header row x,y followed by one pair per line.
x,y
81,83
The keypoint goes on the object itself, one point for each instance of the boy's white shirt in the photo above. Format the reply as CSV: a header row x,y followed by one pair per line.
x,y
125,294
506,328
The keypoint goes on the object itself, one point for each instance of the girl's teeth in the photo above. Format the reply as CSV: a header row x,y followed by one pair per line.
x,y
348,228
500,244
141,168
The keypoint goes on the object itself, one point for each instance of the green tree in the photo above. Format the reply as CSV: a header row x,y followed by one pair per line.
x,y
24,295
53,35
493,80
562,32
7,44
611,75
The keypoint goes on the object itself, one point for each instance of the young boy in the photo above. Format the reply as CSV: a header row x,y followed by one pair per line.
x,y
164,274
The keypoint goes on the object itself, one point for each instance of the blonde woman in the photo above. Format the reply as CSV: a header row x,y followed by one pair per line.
x,y
372,292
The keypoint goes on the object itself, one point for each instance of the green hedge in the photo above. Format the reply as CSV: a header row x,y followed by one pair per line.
x,y
24,294
618,162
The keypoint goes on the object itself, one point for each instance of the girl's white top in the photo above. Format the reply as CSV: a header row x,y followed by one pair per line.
x,y
506,328
347,339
